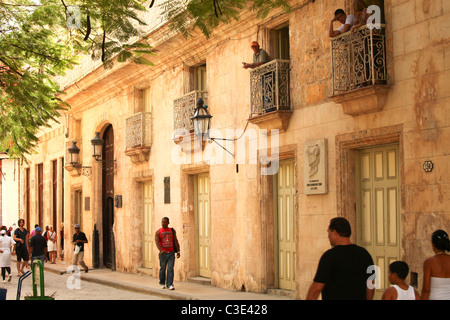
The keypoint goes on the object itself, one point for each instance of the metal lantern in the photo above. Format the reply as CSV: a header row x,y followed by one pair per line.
x,y
201,120
97,144
74,152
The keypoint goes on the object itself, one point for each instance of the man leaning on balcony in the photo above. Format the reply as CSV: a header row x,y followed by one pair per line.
x,y
260,57
347,22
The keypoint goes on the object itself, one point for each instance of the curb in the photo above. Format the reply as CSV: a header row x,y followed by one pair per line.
x,y
133,288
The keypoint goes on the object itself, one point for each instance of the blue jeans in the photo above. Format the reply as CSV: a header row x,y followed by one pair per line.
x,y
42,258
166,261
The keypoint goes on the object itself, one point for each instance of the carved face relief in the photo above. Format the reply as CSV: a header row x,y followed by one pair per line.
x,y
313,153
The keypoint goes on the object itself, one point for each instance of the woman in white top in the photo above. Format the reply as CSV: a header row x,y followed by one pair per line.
x,y
51,244
436,270
5,254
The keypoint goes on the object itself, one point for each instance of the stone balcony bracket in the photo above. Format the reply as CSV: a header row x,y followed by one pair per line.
x,y
363,100
189,143
278,119
139,154
78,170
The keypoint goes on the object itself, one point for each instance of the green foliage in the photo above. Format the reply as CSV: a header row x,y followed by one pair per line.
x,y
37,43
184,16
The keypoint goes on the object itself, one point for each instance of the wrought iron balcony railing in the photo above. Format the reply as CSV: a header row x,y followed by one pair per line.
x,y
269,85
183,110
359,59
139,130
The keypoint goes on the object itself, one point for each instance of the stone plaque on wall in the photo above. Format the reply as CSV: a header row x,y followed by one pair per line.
x,y
315,167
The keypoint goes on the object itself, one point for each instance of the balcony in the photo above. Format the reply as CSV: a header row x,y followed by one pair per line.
x,y
359,70
138,136
183,110
270,98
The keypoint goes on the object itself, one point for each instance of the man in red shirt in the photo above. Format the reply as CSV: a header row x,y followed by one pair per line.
x,y
167,242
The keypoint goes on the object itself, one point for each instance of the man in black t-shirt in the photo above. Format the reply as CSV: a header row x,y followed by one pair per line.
x,y
342,273
38,247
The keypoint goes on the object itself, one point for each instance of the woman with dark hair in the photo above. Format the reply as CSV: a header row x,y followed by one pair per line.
x,y
436,270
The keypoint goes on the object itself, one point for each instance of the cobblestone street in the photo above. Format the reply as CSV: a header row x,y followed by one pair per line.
x,y
57,286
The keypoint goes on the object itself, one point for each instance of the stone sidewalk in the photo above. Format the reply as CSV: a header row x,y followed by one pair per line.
x,y
147,284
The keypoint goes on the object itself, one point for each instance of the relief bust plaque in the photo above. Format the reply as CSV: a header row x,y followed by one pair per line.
x,y
315,167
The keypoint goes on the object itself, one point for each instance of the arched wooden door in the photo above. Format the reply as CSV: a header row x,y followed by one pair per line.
x,y
108,195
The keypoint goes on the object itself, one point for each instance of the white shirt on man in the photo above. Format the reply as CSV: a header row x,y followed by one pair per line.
x,y
351,19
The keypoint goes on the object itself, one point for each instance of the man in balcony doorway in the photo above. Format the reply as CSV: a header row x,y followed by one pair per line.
x,y
347,22
260,57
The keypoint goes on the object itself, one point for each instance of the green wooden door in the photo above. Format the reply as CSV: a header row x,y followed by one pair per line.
x,y
147,219
378,207
203,225
285,225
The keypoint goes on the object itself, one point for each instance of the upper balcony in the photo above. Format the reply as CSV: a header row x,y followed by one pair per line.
x,y
270,95
183,110
359,70
138,136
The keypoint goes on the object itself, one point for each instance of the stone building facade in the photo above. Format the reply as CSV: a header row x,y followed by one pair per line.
x,y
9,190
367,143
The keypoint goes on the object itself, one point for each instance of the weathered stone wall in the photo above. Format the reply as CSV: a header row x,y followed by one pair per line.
x,y
416,115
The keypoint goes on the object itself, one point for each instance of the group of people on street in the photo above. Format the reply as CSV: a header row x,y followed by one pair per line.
x,y
345,272
35,246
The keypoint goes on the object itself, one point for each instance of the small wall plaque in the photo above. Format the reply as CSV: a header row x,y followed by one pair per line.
x,y
167,190
315,167
87,203
118,201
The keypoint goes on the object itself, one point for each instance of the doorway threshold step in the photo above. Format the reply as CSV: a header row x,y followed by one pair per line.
x,y
281,292
145,271
200,280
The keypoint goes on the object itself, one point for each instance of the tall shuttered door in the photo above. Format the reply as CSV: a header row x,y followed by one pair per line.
x,y
285,222
148,232
203,225
378,207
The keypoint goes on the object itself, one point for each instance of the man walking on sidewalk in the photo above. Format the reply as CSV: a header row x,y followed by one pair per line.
x,y
167,242
38,247
79,239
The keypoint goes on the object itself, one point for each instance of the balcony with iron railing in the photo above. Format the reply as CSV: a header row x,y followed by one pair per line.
x,y
359,70
138,136
183,110
270,95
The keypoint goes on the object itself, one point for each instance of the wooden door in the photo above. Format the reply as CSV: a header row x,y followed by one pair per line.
x,y
79,208
54,194
147,226
108,195
40,194
378,207
200,78
284,230
203,225
27,198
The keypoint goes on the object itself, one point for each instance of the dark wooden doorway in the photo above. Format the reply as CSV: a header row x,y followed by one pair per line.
x,y
108,195
40,169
